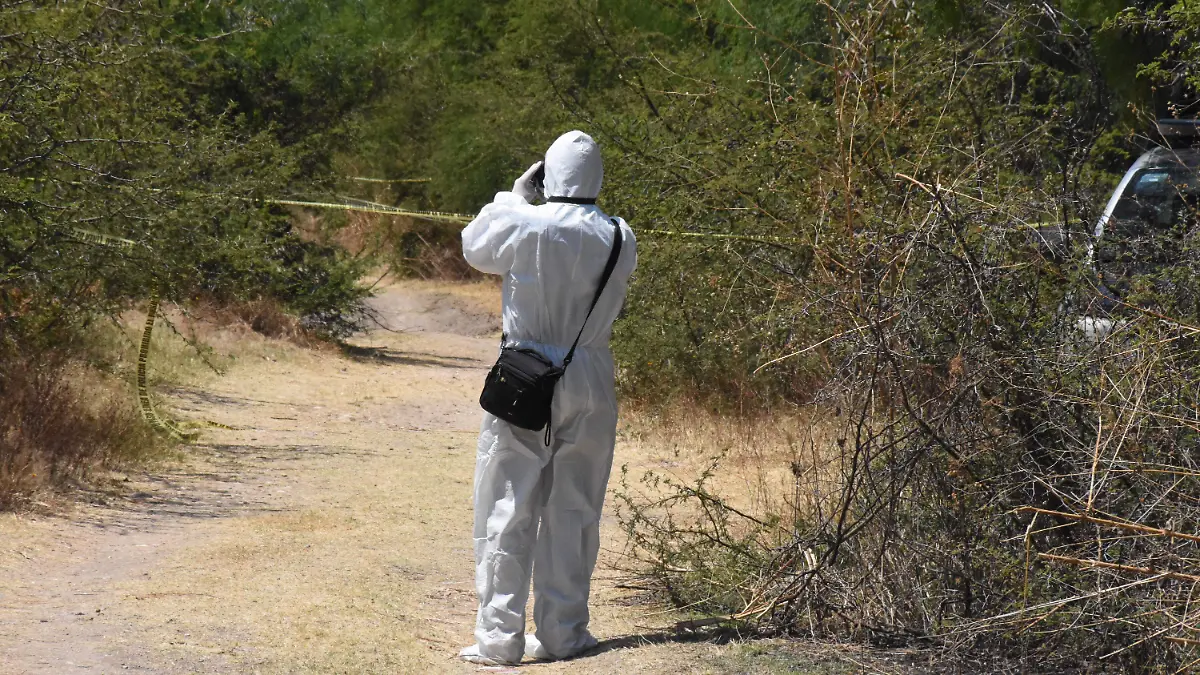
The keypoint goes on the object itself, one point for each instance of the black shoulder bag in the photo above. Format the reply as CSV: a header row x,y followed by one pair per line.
x,y
520,387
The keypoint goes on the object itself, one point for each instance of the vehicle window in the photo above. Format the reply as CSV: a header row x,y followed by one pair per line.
x,y
1157,198
1147,231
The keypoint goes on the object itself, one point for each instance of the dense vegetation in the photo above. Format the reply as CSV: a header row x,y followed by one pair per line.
x,y
123,173
880,178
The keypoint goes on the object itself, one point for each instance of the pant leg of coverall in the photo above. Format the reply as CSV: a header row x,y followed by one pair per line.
x,y
569,537
508,498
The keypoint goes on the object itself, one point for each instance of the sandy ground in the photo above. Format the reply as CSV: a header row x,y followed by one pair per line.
x,y
328,532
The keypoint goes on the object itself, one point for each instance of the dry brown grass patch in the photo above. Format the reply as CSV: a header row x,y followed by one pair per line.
x,y
411,247
59,421
770,462
262,315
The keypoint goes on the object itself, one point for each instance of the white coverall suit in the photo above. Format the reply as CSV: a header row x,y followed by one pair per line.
x,y
538,506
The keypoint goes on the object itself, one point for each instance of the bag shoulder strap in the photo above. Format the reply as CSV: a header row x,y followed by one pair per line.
x,y
613,255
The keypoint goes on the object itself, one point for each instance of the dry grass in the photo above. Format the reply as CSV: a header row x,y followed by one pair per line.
x,y
263,316
64,416
769,463
59,421
410,247
360,560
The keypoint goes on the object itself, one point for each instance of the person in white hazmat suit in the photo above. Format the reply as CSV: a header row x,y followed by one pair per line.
x,y
537,508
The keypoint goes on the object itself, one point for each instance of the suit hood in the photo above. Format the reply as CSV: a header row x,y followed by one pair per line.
x,y
573,167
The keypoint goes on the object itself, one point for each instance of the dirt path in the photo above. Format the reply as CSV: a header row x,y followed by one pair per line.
x,y
328,533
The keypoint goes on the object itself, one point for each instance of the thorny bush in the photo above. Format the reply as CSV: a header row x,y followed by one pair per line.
x,y
979,471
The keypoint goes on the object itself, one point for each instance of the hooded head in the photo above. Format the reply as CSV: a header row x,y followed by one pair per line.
x,y
573,167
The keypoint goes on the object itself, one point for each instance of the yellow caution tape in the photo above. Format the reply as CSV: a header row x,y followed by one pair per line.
x,y
460,218
721,235
466,218
143,390
379,208
102,239
170,427
151,416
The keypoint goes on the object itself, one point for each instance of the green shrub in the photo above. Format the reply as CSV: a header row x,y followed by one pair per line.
x,y
115,185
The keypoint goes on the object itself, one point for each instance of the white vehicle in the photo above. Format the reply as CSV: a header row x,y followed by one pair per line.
x,y
1144,224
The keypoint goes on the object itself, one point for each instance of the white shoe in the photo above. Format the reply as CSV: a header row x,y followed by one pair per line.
x,y
472,655
535,650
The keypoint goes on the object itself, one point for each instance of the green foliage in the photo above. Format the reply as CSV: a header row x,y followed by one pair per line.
x,y
113,186
124,173
708,125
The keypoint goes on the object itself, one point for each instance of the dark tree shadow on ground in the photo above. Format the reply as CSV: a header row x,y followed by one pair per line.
x,y
378,355
716,636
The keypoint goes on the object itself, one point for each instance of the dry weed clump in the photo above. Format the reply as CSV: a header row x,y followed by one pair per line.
x,y
721,492
262,315
1076,541
759,454
409,247
59,420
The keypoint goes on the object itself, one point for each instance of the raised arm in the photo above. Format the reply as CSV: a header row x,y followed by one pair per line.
x,y
490,241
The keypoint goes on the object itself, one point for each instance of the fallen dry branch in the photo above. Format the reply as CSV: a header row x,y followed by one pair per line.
x,y
1147,571
1112,523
